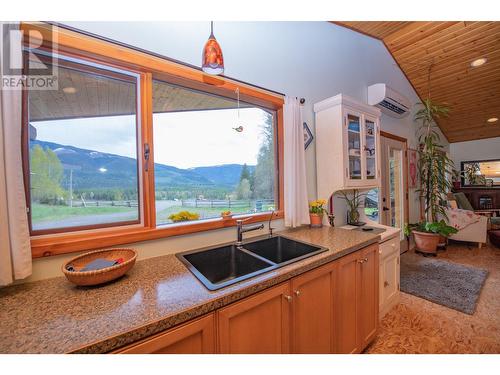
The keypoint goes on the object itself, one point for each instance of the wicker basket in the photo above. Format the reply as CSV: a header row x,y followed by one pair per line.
x,y
103,275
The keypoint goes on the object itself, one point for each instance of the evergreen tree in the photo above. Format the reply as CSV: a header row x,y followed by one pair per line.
x,y
245,173
264,170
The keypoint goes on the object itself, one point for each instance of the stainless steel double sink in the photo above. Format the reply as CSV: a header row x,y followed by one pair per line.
x,y
218,267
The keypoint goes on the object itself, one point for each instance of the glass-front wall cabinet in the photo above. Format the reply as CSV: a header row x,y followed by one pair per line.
x,y
354,146
361,148
370,149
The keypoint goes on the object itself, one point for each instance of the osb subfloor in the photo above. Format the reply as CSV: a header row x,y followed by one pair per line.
x,y
416,325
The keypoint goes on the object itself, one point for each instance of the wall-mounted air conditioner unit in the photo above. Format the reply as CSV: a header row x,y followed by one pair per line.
x,y
388,100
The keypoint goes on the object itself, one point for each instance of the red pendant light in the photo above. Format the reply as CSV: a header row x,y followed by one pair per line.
x,y
213,62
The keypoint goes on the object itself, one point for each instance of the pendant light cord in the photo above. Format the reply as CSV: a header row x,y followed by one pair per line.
x,y
238,101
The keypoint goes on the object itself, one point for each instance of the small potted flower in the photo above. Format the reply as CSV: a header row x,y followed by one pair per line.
x,y
226,215
316,211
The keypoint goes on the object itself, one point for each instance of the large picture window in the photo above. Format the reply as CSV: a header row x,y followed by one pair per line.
x,y
133,147
82,141
211,156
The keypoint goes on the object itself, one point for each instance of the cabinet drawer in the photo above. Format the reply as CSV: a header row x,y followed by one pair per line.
x,y
389,247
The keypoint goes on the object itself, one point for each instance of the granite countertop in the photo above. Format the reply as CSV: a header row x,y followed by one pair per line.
x,y
389,232
55,316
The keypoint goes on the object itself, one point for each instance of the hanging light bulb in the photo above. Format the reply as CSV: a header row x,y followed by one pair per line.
x,y
213,62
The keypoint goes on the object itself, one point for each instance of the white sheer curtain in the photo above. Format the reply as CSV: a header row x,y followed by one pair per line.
x,y
15,250
295,189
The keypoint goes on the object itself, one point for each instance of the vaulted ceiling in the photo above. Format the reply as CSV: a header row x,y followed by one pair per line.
x,y
448,49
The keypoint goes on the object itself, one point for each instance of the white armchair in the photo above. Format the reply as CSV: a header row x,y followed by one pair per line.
x,y
475,232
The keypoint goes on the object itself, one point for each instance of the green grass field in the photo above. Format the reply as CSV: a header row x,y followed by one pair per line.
x,y
369,211
45,212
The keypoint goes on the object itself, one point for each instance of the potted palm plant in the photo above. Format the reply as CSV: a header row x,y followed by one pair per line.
x,y
434,168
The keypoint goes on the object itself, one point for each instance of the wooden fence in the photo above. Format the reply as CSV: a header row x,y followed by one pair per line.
x,y
80,203
251,204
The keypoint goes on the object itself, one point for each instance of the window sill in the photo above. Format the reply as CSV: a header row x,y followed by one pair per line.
x,y
43,246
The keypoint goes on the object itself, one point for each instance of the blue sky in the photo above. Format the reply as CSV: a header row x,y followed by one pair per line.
x,y
182,139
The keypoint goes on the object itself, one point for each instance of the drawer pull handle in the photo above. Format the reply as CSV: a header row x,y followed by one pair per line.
x,y
288,298
297,293
386,284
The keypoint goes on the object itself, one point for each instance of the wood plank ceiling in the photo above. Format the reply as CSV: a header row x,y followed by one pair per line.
x,y
473,93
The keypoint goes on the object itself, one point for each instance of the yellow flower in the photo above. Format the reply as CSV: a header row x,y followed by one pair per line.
x,y
317,206
184,216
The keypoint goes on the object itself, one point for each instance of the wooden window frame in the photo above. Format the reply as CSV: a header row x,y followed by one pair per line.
x,y
135,78
104,52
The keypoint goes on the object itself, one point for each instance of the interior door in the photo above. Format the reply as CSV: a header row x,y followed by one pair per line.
x,y
394,189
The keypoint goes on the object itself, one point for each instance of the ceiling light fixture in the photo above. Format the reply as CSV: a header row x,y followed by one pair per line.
x,y
212,60
69,90
478,62
493,119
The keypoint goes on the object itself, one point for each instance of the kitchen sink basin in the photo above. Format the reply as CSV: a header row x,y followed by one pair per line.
x,y
218,267
281,250
223,266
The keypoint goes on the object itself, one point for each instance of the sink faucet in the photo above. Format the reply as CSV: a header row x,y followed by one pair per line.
x,y
269,224
240,229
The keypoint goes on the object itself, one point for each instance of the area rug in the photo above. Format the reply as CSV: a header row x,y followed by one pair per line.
x,y
446,283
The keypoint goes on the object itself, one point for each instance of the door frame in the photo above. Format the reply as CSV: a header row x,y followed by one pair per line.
x,y
405,172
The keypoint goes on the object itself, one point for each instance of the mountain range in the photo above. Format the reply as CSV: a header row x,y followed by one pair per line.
x,y
93,169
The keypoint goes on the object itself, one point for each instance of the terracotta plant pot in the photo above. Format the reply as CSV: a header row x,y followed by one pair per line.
x,y
426,242
316,220
442,242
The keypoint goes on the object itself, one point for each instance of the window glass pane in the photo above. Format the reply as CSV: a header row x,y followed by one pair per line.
x,y
83,149
372,204
210,157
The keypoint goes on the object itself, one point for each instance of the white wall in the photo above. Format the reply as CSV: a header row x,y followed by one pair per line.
x,y
314,60
482,149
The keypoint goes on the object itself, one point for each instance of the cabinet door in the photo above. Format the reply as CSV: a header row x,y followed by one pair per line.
x,y
197,337
389,279
354,142
258,324
370,150
347,288
368,292
313,311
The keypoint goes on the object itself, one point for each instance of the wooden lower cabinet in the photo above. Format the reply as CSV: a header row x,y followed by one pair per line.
x,y
389,256
357,300
196,337
368,305
330,309
313,311
347,332
259,324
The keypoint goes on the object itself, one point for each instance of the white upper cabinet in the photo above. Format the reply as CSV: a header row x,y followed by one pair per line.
x,y
347,145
